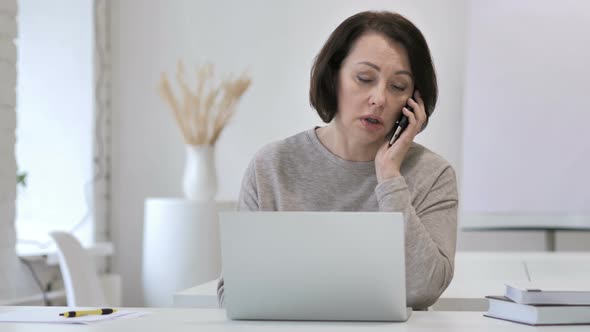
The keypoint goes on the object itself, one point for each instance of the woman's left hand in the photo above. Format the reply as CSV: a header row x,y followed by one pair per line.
x,y
389,159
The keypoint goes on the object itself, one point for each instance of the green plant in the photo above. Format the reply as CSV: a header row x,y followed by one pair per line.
x,y
21,179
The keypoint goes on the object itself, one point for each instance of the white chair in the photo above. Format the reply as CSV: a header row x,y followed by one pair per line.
x,y
81,282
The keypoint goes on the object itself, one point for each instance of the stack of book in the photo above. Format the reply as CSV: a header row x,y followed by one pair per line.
x,y
542,304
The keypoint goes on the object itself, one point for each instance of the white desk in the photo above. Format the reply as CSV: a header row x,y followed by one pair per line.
x,y
477,274
211,320
200,296
550,224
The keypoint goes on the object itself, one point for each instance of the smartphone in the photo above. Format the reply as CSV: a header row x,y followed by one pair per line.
x,y
399,126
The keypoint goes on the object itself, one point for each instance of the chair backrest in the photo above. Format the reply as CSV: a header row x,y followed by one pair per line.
x,y
81,281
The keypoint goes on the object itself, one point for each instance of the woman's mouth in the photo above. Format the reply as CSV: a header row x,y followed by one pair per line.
x,y
372,123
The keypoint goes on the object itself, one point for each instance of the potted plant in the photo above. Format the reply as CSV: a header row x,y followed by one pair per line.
x,y
201,114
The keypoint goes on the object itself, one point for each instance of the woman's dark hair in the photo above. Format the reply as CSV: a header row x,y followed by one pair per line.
x,y
323,92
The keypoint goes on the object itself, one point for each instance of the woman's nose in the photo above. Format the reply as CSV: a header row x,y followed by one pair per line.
x,y
378,96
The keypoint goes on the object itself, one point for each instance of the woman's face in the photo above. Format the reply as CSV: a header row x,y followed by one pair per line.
x,y
374,83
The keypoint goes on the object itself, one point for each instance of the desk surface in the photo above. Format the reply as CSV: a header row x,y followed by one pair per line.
x,y
192,320
477,274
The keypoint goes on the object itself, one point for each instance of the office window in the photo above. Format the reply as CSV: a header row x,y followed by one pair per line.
x,y
54,117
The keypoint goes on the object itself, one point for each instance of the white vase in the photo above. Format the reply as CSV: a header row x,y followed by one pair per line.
x,y
200,178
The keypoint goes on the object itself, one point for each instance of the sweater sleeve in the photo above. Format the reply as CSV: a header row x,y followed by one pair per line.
x,y
430,234
248,199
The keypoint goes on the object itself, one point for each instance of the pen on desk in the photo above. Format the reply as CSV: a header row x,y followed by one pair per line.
x,y
78,313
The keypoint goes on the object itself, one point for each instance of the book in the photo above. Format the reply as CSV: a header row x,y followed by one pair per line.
x,y
548,293
537,314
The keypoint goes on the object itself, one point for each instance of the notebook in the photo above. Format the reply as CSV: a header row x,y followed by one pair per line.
x,y
537,314
548,292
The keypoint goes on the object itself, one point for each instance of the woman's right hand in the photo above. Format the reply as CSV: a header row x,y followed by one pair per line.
x,y
389,159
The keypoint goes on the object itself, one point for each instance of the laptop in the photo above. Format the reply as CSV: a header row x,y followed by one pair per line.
x,y
334,266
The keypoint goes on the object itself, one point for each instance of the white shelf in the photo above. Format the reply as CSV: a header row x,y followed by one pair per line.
x,y
504,221
49,255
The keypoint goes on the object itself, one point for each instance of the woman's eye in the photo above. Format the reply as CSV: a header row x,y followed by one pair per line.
x,y
364,79
398,87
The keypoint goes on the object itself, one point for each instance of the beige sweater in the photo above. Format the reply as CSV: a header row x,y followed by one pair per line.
x,y
300,174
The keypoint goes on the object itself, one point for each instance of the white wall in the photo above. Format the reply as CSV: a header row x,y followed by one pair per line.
x,y
14,279
7,138
277,41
